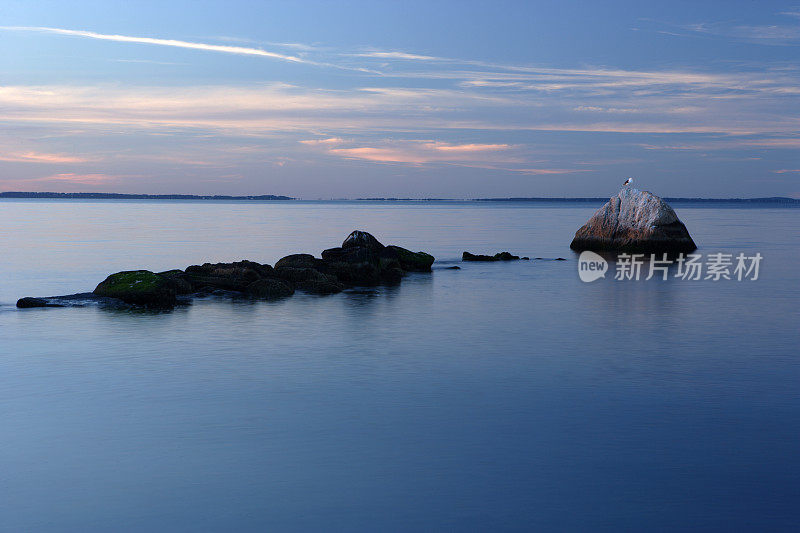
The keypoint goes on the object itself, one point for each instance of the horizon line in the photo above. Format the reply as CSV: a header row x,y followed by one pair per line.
x,y
275,197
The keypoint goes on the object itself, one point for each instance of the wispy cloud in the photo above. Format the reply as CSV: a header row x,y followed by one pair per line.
x,y
418,152
39,157
397,55
240,50
328,141
787,171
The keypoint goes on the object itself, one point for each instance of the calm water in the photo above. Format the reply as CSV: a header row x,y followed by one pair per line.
x,y
497,397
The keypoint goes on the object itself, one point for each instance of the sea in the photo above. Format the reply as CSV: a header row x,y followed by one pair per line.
x,y
509,396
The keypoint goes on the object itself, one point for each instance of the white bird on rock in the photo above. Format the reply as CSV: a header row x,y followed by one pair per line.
x,y
627,182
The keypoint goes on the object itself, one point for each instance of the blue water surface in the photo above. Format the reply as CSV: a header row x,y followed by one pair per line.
x,y
500,397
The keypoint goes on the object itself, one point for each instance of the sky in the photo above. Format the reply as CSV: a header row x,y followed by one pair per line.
x,y
321,100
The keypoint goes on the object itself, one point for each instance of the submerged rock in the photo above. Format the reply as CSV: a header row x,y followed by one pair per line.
x,y
634,221
139,287
501,256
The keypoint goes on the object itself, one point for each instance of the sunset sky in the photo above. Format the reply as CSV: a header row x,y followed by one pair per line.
x,y
412,99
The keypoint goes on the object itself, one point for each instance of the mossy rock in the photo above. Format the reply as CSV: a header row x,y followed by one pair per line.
x,y
413,261
139,287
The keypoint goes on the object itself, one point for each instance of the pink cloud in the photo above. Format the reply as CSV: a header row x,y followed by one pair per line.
x,y
445,147
39,157
787,171
330,140
418,152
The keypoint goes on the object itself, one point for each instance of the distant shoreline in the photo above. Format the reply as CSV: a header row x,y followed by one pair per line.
x,y
271,197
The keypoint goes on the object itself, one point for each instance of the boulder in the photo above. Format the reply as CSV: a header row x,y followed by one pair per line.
x,y
634,221
412,261
139,287
296,275
362,239
227,276
270,289
353,255
299,261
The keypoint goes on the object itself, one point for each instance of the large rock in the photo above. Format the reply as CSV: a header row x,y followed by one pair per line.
x,y
299,261
363,239
634,221
235,276
139,287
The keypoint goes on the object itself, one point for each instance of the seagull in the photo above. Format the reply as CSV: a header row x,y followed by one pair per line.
x,y
627,182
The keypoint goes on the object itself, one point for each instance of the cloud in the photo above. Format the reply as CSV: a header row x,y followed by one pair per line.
x,y
419,152
241,50
462,148
38,157
330,140
397,55
787,171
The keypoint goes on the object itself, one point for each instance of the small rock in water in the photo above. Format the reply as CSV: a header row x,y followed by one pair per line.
x,y
454,267
501,256
29,302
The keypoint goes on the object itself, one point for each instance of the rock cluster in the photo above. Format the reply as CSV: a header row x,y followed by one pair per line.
x,y
634,221
501,256
361,261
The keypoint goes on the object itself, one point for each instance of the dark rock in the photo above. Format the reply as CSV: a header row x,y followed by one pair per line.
x,y
525,259
364,273
320,287
299,261
501,256
139,287
634,221
179,281
228,276
295,275
412,261
28,302
392,276
454,267
560,259
353,255
362,239
270,289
